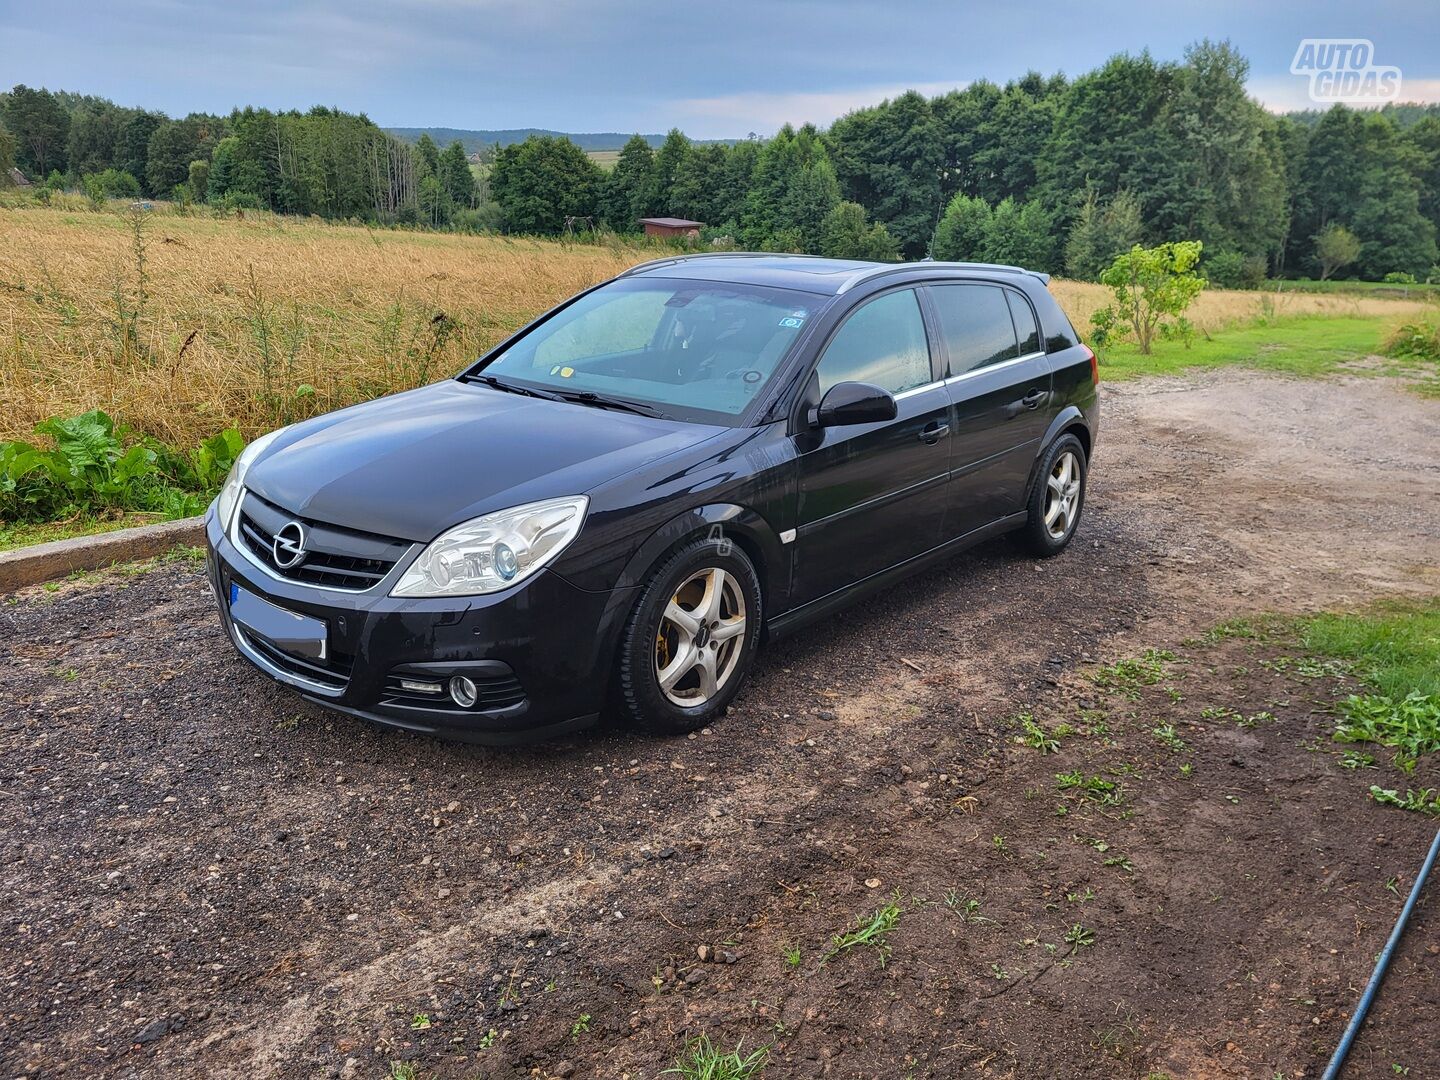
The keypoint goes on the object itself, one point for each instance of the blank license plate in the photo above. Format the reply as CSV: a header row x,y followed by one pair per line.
x,y
288,631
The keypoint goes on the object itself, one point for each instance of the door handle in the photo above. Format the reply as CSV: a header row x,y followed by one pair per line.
x,y
1033,399
933,433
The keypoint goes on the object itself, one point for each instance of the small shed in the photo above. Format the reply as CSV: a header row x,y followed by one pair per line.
x,y
672,227
18,178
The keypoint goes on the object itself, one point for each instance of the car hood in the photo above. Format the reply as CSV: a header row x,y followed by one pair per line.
x,y
415,464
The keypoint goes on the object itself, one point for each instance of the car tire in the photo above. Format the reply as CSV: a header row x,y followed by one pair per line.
x,y
1057,498
656,690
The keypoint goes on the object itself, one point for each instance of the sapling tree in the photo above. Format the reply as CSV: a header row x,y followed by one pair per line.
x,y
1151,285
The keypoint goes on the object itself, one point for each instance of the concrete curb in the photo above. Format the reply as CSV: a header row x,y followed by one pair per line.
x,y
45,562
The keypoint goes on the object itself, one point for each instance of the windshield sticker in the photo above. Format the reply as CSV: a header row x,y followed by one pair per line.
x,y
793,322
563,372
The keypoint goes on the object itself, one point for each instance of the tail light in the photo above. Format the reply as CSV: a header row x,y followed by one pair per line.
x,y
1094,365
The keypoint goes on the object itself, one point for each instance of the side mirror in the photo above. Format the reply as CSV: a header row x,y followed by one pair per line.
x,y
853,403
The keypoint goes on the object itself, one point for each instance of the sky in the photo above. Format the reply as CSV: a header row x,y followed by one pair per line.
x,y
714,69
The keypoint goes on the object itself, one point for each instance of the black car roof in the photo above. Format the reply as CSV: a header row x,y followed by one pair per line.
x,y
806,273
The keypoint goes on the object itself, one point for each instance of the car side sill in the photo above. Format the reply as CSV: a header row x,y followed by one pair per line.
x,y
788,622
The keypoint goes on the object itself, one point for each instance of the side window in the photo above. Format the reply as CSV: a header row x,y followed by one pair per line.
x,y
1025,328
882,343
975,323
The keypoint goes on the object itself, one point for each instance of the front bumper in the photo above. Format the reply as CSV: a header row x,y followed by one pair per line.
x,y
540,653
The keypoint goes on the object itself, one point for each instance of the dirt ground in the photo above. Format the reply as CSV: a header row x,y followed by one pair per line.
x,y
205,877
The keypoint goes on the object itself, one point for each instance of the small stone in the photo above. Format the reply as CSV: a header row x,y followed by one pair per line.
x,y
827,714
703,952
153,1031
728,957
872,882
563,1069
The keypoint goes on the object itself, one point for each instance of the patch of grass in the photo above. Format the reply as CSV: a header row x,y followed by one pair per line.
x,y
1394,647
1035,736
1411,726
792,955
703,1061
580,1026
868,931
1129,675
1166,735
1425,801
1293,346
1095,788
23,535
403,1070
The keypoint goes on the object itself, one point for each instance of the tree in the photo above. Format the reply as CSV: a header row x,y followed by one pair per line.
x,y
542,182
429,154
1150,285
1335,246
173,146
1101,232
960,236
198,180
669,165
41,127
455,174
1019,234
845,234
889,159
627,187
7,155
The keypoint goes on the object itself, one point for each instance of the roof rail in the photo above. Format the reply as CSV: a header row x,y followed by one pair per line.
x,y
882,270
655,264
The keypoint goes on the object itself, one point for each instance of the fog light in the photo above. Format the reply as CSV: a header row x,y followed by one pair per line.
x,y
463,692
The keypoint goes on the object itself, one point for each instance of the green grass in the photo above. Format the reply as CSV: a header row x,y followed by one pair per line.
x,y
1364,288
1300,346
702,1061
1395,646
18,536
868,931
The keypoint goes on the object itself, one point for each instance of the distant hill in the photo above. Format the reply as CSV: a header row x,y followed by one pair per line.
x,y
474,140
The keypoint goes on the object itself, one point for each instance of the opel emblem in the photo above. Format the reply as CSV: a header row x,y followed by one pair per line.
x,y
289,545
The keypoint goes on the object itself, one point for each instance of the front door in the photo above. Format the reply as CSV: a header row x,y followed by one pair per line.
x,y
873,495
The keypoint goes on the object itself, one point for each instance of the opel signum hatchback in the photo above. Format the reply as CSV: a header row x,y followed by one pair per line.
x,y
611,510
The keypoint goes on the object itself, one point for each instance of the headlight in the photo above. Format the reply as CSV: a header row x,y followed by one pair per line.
x,y
229,496
496,551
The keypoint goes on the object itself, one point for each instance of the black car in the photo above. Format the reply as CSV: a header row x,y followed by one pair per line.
x,y
614,507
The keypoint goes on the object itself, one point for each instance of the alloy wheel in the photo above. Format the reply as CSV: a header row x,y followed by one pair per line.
x,y
1062,495
701,637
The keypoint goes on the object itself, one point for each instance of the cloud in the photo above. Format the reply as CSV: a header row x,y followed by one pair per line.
x,y
1290,93
764,112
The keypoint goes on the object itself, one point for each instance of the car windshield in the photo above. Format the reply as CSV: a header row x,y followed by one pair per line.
x,y
694,349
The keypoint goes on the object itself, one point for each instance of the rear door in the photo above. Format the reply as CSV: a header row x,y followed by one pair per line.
x,y
999,382
873,495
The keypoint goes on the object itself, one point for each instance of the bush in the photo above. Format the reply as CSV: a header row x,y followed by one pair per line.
x,y
88,469
1235,270
1151,286
1414,341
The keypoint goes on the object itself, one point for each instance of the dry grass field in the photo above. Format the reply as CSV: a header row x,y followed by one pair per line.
x,y
181,325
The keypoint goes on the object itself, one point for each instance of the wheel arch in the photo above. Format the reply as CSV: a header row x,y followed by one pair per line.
x,y
730,521
1070,421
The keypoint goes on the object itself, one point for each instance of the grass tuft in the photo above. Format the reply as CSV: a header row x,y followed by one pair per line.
x,y
703,1061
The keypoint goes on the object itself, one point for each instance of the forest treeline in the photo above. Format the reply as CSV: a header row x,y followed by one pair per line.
x,y
1056,173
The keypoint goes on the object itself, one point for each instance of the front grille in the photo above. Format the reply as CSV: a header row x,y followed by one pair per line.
x,y
496,692
332,672
334,557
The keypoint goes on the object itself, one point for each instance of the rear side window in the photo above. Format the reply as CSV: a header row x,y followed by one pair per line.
x,y
975,323
1025,327
883,343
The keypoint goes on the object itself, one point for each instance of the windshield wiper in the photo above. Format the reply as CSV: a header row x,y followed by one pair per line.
x,y
605,401
496,383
